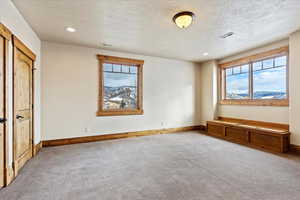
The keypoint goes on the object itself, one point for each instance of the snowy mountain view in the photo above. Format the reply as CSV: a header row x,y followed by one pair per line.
x,y
124,97
258,95
120,87
268,83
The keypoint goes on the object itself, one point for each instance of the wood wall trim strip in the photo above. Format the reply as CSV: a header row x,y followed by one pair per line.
x,y
66,141
22,47
10,175
255,123
120,60
202,127
5,32
118,113
255,57
37,148
7,174
255,102
295,148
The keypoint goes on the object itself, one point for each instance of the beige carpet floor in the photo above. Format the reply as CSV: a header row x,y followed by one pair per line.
x,y
180,166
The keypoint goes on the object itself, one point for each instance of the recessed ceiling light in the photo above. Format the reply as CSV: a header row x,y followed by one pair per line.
x,y
183,19
70,29
226,35
205,54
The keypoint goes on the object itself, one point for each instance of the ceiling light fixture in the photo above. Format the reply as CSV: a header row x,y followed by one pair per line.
x,y
205,54
70,29
183,19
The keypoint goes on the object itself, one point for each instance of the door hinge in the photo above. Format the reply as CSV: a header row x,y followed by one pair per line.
x,y
3,120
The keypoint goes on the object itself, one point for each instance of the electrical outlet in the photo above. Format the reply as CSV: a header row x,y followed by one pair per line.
x,y
86,130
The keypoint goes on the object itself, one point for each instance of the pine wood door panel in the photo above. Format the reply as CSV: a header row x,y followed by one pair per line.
x,y
22,109
24,143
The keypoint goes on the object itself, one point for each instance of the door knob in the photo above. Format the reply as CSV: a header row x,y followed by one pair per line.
x,y
2,120
19,117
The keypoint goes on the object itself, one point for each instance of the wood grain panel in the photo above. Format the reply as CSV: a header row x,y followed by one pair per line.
x,y
20,162
24,138
255,102
23,105
37,148
67,141
5,32
248,133
5,36
295,148
119,60
215,129
237,134
22,47
262,140
2,112
256,123
9,172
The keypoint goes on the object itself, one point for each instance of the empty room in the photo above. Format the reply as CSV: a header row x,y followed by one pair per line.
x,y
149,100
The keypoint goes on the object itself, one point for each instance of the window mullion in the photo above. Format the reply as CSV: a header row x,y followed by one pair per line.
x,y
251,80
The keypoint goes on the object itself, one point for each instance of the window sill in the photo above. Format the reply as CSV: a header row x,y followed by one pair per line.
x,y
119,112
255,102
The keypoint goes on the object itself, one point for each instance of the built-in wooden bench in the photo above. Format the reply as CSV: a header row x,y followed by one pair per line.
x,y
270,136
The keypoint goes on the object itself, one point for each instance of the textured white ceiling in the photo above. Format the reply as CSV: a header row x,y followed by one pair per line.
x,y
146,27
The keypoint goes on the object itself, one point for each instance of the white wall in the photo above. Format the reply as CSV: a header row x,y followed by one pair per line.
x,y
70,94
294,87
12,19
208,91
261,113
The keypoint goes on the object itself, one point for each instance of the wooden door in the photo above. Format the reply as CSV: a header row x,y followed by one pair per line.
x,y
23,105
5,174
2,114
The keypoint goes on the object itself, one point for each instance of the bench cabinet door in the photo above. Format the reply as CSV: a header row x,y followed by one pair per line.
x,y
263,140
237,134
215,130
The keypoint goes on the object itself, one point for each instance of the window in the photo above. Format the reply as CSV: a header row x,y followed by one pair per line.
x,y
257,80
120,91
237,82
270,78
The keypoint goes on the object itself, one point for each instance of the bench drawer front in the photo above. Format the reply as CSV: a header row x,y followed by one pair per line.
x,y
265,141
215,130
237,134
